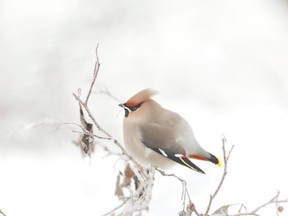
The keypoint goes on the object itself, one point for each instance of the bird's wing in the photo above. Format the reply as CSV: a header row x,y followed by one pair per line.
x,y
164,141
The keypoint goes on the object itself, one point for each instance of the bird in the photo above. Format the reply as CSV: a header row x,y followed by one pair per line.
x,y
157,137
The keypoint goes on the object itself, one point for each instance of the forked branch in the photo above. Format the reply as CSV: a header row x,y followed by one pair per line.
x,y
84,104
225,160
96,71
142,195
274,200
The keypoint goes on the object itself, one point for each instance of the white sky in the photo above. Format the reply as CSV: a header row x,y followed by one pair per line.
x,y
223,65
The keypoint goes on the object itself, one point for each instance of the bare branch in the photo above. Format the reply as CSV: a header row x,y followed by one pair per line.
x,y
185,193
84,131
2,213
225,159
274,200
104,90
96,70
140,199
85,106
99,127
118,207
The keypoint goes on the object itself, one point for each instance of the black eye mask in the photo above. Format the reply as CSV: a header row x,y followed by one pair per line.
x,y
134,108
128,109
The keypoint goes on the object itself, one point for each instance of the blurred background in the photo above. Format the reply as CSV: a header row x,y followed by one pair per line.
x,y
223,65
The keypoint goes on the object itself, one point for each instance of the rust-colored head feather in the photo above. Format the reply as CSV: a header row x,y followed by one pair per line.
x,y
140,97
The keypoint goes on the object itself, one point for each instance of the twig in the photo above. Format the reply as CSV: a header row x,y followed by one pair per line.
x,y
275,198
99,127
173,175
1,212
271,201
84,131
185,192
142,196
85,106
96,70
225,159
106,91
118,207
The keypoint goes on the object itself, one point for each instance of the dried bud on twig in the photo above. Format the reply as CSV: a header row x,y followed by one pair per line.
x,y
86,140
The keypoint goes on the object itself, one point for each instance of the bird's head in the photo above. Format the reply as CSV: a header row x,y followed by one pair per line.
x,y
136,101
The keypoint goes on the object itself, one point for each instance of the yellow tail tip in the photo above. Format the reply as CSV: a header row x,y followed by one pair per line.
x,y
219,163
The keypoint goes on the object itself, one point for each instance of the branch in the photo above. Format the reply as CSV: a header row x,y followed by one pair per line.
x,y
97,125
106,91
225,159
274,200
118,207
96,70
141,197
84,131
190,206
85,106
140,175
2,213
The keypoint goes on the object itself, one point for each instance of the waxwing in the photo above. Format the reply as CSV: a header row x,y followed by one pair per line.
x,y
155,136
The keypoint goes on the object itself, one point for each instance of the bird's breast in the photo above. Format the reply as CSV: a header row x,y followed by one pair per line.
x,y
132,139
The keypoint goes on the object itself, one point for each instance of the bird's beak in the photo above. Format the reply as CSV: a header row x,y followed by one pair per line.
x,y
122,105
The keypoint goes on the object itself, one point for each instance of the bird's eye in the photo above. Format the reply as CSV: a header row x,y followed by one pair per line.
x,y
135,107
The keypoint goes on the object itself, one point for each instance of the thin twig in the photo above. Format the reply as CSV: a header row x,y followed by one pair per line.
x,y
85,106
144,179
99,127
108,135
271,201
118,207
173,175
96,70
106,91
275,198
225,159
84,131
185,191
1,212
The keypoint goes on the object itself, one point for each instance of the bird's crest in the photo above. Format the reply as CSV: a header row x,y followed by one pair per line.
x,y
140,97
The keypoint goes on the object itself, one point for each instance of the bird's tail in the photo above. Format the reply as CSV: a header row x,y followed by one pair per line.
x,y
214,159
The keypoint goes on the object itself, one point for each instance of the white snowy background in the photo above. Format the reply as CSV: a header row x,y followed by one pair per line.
x,y
221,64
